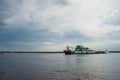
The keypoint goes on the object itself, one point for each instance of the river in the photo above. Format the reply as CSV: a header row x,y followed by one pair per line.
x,y
60,67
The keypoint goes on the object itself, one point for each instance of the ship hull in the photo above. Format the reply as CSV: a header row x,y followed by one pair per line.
x,y
84,52
68,52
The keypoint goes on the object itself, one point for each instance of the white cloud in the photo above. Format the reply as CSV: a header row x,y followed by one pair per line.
x,y
86,17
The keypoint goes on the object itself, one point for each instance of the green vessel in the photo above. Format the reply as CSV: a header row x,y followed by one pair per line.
x,y
81,50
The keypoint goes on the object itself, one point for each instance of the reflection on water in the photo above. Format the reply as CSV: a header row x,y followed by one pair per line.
x,y
59,67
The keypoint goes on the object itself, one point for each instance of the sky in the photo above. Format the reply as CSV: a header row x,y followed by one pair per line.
x,y
51,25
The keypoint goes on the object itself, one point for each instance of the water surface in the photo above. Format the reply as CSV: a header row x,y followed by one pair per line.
x,y
60,67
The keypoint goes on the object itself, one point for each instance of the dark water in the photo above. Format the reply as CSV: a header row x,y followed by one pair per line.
x,y
59,67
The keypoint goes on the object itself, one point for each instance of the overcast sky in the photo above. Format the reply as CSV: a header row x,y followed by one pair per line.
x,y
40,25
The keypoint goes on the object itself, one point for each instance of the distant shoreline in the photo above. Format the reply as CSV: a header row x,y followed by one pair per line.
x,y
40,52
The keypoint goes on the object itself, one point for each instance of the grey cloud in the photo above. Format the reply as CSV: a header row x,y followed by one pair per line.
x,y
43,4
62,2
114,47
4,10
75,35
8,9
114,22
32,23
113,18
20,39
2,24
114,35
